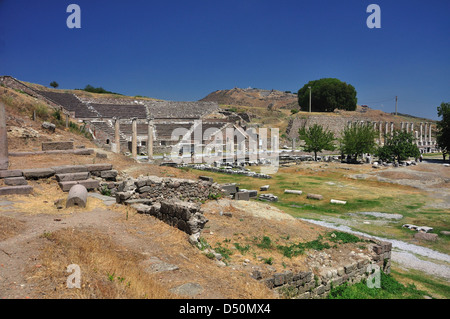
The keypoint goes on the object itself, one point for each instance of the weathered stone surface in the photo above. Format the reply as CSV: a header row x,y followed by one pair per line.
x,y
141,208
65,169
101,155
426,236
268,197
10,173
15,181
339,202
77,196
264,188
189,290
37,173
98,167
206,178
109,175
314,196
72,176
16,190
291,191
89,184
242,196
230,189
49,126
51,146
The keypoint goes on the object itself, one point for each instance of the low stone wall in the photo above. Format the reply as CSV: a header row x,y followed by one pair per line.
x,y
307,285
184,215
152,189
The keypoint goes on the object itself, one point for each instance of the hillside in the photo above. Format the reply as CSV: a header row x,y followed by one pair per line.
x,y
253,98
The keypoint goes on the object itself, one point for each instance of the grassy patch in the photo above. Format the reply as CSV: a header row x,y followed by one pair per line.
x,y
390,289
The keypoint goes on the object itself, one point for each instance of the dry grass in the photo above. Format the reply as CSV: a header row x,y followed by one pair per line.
x,y
10,227
42,201
108,271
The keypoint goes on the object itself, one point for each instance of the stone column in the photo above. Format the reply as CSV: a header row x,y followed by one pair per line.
x,y
421,134
380,131
392,128
425,139
429,134
134,137
4,161
117,134
67,120
407,127
150,140
417,137
402,126
386,131
412,127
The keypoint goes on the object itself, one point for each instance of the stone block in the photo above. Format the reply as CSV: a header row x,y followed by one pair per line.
x,y
206,178
10,173
242,196
279,279
72,177
378,249
88,183
426,236
264,188
291,191
59,146
37,173
109,175
65,169
229,189
349,268
15,181
16,190
314,196
98,167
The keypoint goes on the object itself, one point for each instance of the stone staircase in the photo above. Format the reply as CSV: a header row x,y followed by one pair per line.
x,y
89,175
15,183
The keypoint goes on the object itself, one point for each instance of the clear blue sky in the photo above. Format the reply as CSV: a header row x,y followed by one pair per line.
x,y
183,50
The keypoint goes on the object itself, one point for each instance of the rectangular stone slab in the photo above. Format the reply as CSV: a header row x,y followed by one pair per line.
x,y
16,190
37,173
98,167
11,173
72,177
15,181
64,169
89,184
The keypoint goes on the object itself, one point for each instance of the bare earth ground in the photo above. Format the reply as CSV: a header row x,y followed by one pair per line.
x,y
33,261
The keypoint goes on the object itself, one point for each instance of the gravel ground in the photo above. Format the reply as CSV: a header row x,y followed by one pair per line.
x,y
405,254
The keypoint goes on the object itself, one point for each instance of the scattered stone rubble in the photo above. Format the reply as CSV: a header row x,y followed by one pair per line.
x,y
230,169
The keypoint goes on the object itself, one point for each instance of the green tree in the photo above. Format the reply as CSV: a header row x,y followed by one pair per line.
x,y
327,94
317,139
443,128
54,84
399,146
357,140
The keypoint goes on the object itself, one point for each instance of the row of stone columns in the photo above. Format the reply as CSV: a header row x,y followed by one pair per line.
x,y
134,137
423,135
